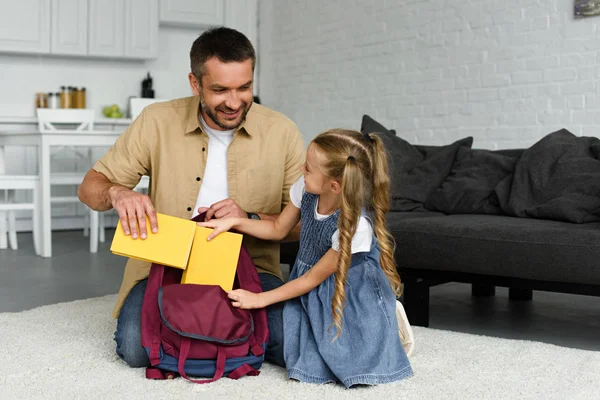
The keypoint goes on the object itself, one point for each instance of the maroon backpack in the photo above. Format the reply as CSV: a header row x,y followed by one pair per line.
x,y
190,329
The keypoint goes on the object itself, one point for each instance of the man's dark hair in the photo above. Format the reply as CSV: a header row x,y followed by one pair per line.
x,y
227,44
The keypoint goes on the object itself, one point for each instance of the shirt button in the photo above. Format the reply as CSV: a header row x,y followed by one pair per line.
x,y
198,178
189,208
203,149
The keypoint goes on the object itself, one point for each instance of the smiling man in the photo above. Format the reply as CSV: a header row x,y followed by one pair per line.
x,y
214,152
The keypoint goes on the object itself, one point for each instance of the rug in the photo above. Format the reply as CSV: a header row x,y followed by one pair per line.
x,y
66,351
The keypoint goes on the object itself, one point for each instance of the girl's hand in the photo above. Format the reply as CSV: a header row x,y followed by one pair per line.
x,y
219,225
245,299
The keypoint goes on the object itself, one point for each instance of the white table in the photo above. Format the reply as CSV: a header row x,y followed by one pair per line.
x,y
44,141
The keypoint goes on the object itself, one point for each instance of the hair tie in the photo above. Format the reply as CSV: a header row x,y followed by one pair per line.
x,y
351,158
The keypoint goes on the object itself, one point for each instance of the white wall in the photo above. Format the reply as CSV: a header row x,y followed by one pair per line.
x,y
106,81
504,71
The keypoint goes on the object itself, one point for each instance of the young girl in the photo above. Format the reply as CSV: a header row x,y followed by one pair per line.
x,y
340,324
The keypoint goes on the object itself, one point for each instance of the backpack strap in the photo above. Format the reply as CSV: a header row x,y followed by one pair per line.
x,y
244,370
155,344
184,350
255,347
158,374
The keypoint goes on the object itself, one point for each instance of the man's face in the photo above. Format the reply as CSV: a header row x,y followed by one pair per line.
x,y
225,93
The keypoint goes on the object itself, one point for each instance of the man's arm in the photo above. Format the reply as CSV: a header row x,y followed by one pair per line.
x,y
108,185
94,191
100,194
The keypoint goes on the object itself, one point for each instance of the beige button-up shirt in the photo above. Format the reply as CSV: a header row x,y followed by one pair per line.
x,y
166,143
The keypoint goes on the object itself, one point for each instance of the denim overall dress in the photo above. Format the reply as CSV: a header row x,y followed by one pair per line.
x,y
368,351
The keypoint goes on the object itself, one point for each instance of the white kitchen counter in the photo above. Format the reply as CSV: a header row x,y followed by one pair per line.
x,y
34,121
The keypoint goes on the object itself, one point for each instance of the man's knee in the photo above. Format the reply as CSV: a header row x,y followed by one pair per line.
x,y
130,349
274,352
128,335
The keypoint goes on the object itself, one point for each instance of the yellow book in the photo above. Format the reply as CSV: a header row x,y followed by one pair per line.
x,y
170,246
214,262
180,243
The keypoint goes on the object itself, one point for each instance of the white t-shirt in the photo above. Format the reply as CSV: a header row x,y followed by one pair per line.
x,y
363,237
214,183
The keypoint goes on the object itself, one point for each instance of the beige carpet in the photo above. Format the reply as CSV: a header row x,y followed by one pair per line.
x,y
66,351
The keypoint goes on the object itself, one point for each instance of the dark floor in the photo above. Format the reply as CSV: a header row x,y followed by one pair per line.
x,y
27,281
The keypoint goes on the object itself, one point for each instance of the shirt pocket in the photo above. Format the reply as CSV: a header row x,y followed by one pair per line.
x,y
264,189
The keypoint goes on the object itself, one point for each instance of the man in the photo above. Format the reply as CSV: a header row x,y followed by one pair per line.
x,y
215,152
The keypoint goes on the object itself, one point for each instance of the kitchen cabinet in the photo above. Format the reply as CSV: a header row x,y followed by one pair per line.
x,y
86,28
192,13
123,28
69,27
106,26
242,15
141,28
113,28
238,14
25,26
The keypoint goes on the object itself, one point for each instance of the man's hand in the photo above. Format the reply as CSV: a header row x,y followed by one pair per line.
x,y
244,299
223,209
219,225
133,208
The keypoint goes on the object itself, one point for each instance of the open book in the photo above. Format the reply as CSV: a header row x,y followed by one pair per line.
x,y
180,243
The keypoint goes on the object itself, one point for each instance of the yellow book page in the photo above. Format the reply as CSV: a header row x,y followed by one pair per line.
x,y
214,262
170,246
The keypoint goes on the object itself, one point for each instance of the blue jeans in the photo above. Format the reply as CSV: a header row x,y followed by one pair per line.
x,y
128,334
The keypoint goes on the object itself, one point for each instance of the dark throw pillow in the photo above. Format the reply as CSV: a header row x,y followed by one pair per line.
x,y
417,183
469,188
369,125
557,178
413,174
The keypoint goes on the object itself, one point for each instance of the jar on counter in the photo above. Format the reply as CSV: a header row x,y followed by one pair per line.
x,y
41,100
82,94
78,98
53,100
75,97
65,99
71,91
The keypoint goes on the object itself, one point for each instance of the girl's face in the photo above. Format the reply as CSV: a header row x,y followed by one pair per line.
x,y
315,181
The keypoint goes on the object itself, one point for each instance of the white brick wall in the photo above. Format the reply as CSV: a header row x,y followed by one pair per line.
x,y
504,71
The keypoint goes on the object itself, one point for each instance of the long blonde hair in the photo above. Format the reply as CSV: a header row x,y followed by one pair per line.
x,y
360,162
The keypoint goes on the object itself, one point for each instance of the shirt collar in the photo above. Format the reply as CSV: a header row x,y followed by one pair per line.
x,y
249,126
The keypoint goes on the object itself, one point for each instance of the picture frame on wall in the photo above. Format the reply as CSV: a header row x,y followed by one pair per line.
x,y
586,8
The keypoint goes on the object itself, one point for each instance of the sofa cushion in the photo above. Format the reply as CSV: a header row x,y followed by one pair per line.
x,y
414,174
557,178
395,216
515,153
500,246
415,184
469,188
369,125
289,250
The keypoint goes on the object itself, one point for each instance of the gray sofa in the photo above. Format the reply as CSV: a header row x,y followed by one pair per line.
x,y
490,251
527,219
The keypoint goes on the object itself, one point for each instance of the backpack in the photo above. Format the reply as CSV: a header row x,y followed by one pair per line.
x,y
190,329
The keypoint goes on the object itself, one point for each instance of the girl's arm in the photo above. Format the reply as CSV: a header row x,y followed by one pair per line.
x,y
326,266
276,229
